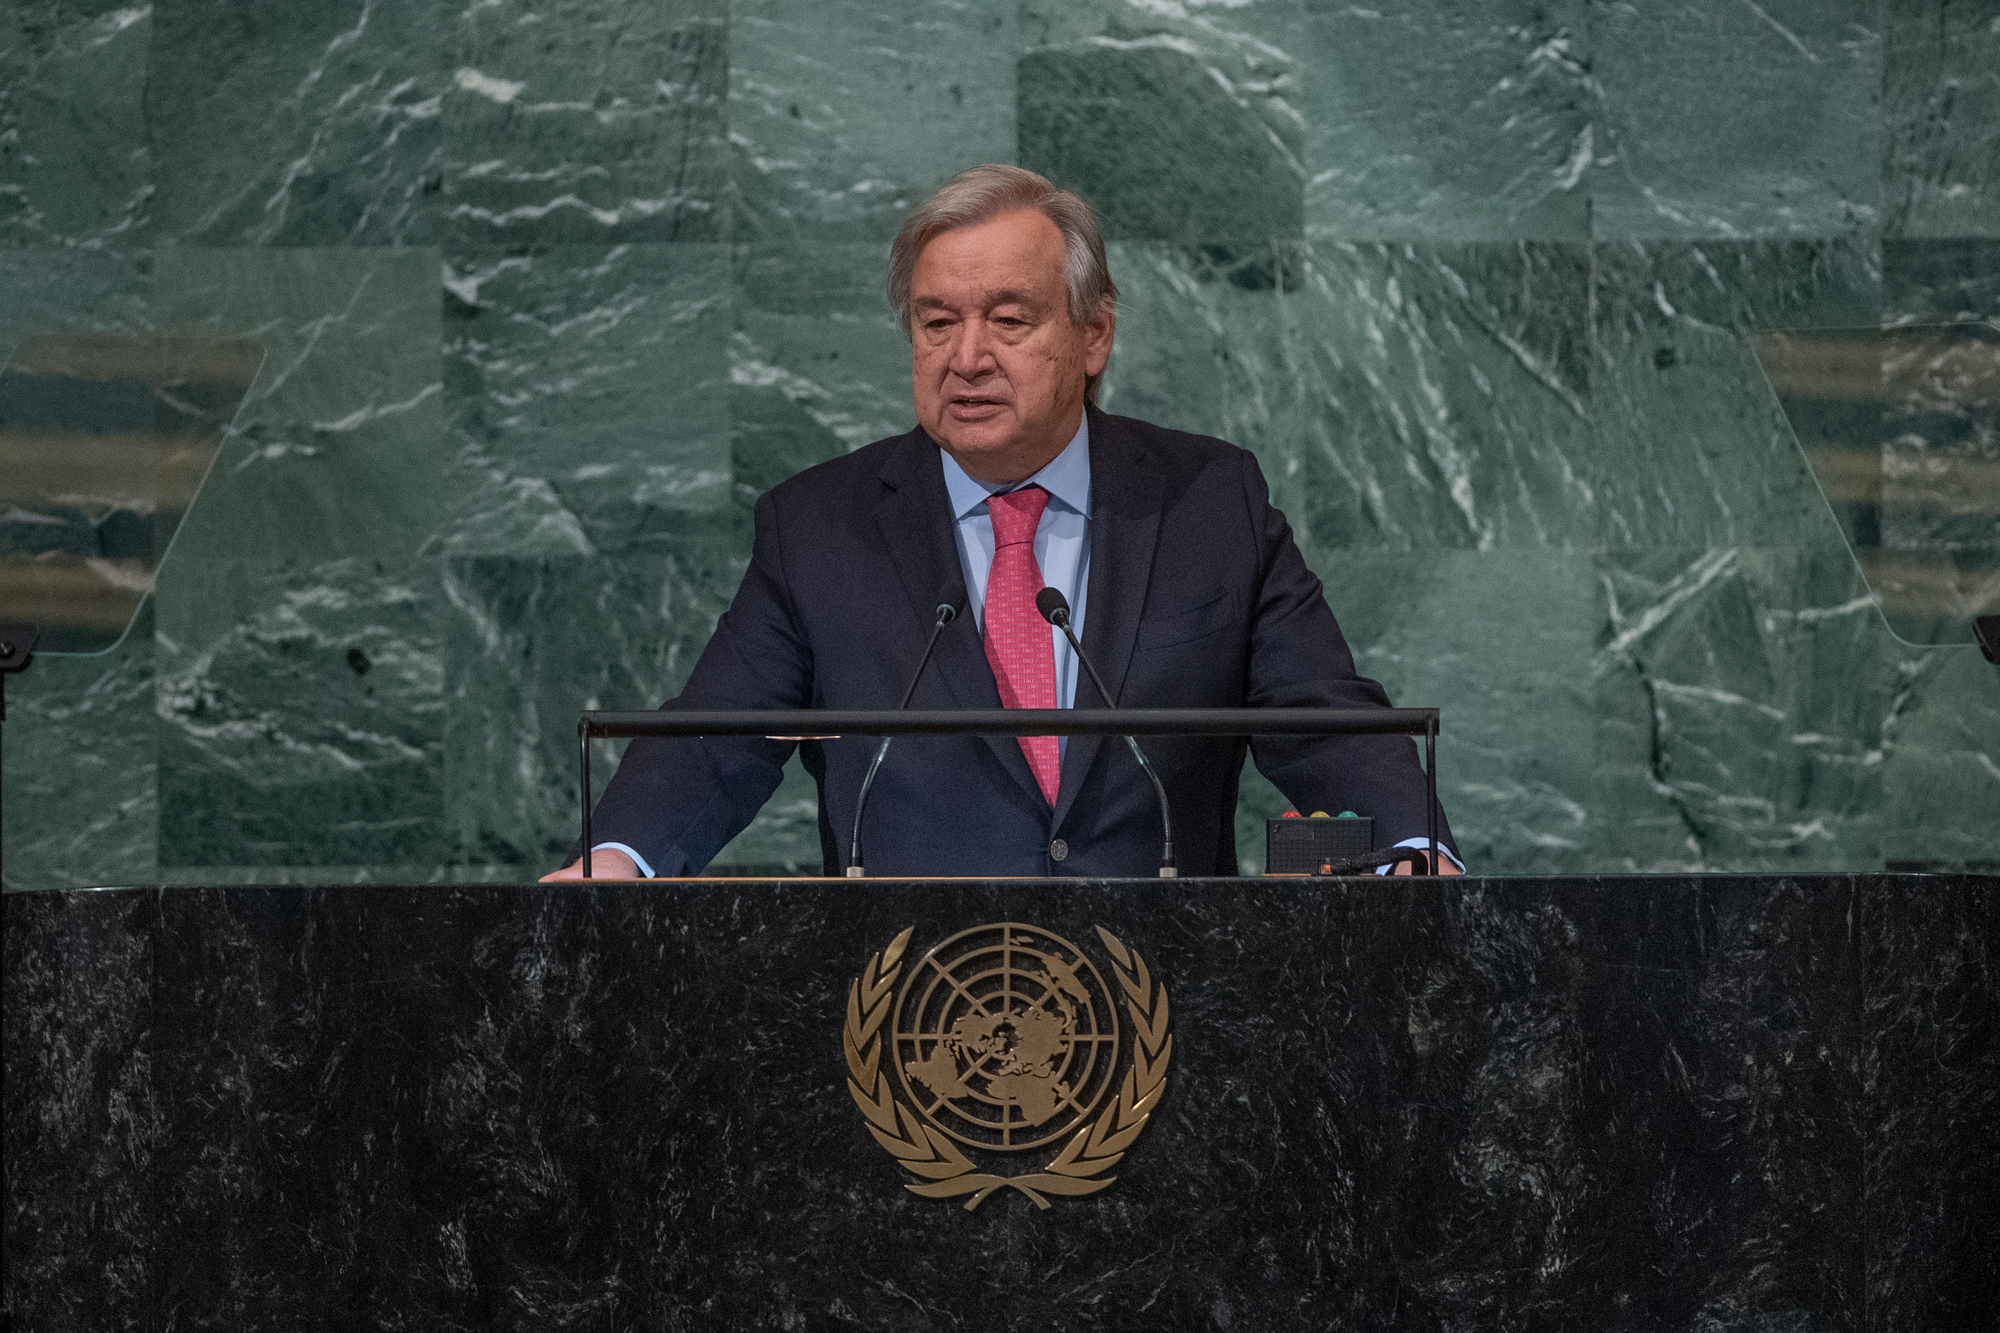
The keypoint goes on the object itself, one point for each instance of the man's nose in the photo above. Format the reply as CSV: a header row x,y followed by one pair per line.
x,y
971,350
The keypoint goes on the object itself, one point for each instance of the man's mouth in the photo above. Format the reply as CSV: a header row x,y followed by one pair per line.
x,y
969,408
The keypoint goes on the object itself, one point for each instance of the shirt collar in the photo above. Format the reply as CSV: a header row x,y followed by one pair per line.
x,y
1066,479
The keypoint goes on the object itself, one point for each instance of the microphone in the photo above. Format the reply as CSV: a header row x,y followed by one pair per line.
x,y
947,611
1055,609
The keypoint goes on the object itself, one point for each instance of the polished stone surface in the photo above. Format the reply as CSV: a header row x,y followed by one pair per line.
x,y
1627,1103
550,292
1507,85
586,121
1681,153
586,393
315,126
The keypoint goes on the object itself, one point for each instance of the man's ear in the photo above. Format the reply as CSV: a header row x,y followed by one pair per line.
x,y
1097,340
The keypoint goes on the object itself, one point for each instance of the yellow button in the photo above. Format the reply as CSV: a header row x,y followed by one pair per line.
x,y
1321,814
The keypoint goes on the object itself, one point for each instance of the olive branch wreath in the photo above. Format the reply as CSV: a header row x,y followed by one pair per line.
x,y
925,1150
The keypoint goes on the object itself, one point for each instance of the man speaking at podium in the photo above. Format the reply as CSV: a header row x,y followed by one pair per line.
x,y
1183,582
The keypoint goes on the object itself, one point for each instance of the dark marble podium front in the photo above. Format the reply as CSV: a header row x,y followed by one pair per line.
x,y
1635,1103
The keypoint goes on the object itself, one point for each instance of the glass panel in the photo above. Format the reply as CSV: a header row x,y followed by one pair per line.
x,y
104,443
1902,429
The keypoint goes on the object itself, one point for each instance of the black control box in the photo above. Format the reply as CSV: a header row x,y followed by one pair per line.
x,y
1295,846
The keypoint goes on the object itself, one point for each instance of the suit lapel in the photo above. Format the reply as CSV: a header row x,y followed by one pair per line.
x,y
1124,530
914,518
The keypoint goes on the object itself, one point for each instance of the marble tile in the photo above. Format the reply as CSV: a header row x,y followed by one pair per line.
x,y
1491,639
1399,398
1739,286
1931,1069
1494,640
1928,281
315,126
78,1024
818,365
1737,120
1450,398
587,122
1941,120
1739,696
76,164
1356,239
300,713
1495,140
1941,759
278,990
377,872
1211,339
845,114
1719,1020
1755,1101
337,448
533,642
50,290
82,805
1693,447
1176,122
584,396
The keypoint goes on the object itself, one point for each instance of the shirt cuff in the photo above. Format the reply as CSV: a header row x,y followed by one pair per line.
x,y
637,860
1425,843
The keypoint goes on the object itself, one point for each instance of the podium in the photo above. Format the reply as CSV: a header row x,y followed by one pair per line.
x,y
1606,1102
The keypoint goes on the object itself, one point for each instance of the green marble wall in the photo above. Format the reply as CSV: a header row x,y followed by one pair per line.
x,y
550,291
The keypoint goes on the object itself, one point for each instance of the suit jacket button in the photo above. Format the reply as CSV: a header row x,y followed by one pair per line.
x,y
1058,850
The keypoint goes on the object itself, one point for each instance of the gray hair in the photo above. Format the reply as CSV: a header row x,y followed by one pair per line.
x,y
979,195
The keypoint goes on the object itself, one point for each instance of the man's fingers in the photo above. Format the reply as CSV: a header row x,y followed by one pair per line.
x,y
1445,867
604,864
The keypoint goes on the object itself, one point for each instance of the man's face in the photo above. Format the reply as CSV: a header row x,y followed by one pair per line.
x,y
997,364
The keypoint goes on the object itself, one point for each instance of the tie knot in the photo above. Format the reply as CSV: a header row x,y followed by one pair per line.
x,y
1016,515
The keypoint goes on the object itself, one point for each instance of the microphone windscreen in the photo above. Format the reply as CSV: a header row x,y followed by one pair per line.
x,y
1052,604
951,602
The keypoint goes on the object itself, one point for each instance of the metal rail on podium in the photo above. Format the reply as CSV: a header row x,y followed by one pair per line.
x,y
831,724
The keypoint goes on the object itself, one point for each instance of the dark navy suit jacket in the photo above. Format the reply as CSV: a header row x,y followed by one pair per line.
x,y
1198,598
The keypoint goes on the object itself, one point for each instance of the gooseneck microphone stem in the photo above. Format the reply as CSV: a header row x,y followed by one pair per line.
x,y
947,611
1055,609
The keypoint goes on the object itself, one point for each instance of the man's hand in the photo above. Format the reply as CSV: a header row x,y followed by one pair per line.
x,y
604,864
1445,866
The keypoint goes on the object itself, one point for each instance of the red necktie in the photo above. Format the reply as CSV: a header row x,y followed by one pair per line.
x,y
1017,638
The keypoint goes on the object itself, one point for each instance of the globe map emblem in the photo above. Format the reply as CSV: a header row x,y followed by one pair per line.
x,y
1005,1036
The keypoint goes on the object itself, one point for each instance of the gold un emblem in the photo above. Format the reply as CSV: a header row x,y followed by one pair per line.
x,y
1003,1039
